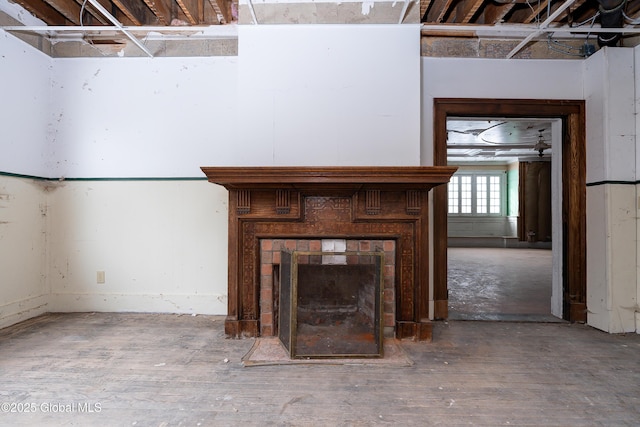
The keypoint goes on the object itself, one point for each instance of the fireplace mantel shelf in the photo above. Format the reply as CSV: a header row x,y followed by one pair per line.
x,y
359,177
302,203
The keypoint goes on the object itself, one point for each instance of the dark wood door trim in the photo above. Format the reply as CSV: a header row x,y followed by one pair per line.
x,y
572,114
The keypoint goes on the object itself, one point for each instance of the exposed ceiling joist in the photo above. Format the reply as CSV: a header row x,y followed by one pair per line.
x,y
467,10
44,11
541,28
137,12
438,10
424,5
190,10
507,19
162,12
67,8
494,13
222,8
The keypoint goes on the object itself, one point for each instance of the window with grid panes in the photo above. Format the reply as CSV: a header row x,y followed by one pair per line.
x,y
476,194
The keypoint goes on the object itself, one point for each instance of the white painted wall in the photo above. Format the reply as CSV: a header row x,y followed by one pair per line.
x,y
611,206
482,226
637,201
161,244
611,125
493,78
25,89
329,95
141,117
23,220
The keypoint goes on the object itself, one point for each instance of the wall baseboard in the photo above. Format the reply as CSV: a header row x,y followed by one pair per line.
x,y
494,242
210,304
18,311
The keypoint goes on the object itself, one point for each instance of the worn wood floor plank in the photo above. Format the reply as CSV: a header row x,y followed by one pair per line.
x,y
166,370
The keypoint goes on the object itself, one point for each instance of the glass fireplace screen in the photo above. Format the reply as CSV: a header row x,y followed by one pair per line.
x,y
331,304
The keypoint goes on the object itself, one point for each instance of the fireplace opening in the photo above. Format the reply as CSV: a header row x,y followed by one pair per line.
x,y
331,304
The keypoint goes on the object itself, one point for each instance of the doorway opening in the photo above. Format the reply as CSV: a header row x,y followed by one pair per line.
x,y
504,228
501,205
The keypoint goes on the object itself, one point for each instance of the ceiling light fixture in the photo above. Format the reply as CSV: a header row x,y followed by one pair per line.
x,y
541,145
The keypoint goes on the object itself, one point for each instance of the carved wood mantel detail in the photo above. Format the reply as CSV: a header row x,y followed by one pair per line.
x,y
329,202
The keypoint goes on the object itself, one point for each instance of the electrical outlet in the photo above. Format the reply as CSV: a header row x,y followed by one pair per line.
x,y
100,277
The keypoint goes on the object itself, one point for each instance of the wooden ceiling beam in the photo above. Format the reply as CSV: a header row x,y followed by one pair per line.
x,y
136,11
524,12
222,8
494,13
467,9
90,13
190,10
160,10
585,13
536,12
438,10
567,14
209,15
68,8
44,12
424,5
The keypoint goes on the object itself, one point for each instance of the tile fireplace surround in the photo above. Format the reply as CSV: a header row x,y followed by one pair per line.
x,y
308,203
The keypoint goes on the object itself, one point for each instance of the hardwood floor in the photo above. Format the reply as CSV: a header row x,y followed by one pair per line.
x,y
170,370
500,284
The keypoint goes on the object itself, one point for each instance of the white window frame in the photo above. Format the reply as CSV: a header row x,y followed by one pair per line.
x,y
502,175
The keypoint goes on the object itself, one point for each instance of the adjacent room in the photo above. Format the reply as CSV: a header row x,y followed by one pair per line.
x,y
500,219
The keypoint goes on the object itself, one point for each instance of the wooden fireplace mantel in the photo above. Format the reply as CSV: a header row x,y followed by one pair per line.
x,y
329,202
389,177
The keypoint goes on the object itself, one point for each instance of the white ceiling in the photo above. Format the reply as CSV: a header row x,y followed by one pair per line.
x,y
502,140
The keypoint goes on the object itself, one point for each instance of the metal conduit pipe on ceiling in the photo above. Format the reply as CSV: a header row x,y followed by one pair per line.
x,y
611,16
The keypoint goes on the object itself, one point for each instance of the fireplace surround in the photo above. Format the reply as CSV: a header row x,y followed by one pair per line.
x,y
292,204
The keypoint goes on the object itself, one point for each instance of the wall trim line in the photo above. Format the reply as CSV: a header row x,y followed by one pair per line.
x,y
614,182
41,178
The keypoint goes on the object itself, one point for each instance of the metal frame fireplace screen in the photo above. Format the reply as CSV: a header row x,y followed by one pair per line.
x,y
331,304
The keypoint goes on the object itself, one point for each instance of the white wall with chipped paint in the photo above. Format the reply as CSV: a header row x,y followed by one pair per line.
x,y
161,241
142,117
329,94
25,93
24,291
637,186
132,208
493,78
611,195
162,246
